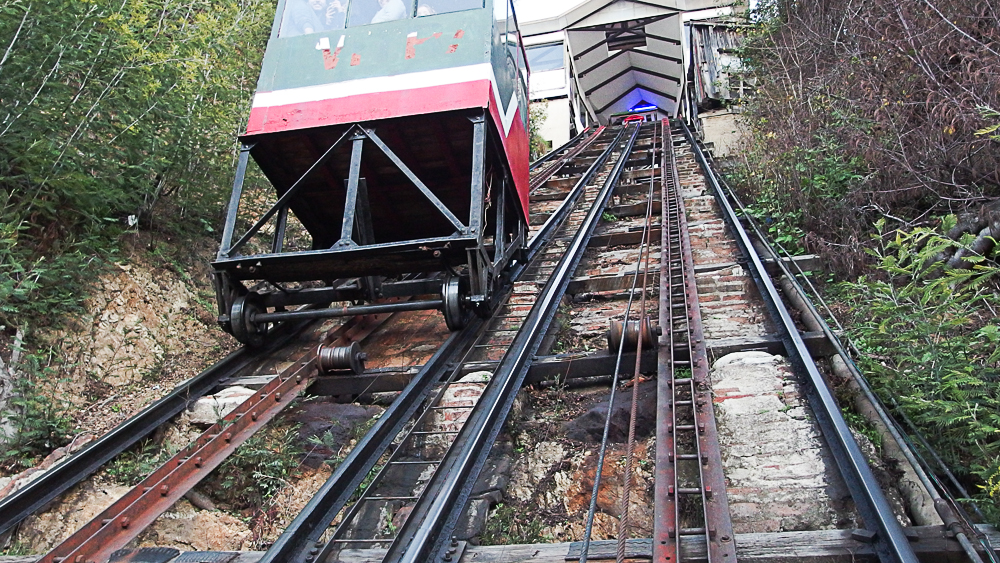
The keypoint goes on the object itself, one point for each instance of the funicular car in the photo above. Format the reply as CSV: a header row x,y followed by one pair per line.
x,y
394,133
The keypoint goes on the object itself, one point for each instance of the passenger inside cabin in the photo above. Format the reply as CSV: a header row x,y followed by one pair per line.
x,y
425,10
389,10
312,16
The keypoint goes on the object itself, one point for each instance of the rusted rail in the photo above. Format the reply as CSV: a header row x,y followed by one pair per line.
x,y
888,539
23,502
688,457
125,519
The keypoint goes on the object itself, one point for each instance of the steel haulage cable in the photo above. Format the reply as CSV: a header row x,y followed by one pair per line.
x,y
623,521
591,512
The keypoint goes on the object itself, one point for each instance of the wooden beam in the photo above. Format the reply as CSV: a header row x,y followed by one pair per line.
x,y
622,238
609,282
816,342
931,544
633,209
806,262
551,196
564,366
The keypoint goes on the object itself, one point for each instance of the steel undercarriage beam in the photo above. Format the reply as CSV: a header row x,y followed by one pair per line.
x,y
358,230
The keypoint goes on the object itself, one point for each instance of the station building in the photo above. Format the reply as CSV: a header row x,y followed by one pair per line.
x,y
593,60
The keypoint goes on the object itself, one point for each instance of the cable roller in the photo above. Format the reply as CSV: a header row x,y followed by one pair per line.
x,y
334,359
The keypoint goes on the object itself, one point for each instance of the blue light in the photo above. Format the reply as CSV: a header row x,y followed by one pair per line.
x,y
643,106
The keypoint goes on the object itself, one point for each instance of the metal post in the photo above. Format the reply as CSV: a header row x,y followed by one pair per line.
x,y
366,235
437,203
351,201
284,200
234,201
279,230
478,165
500,238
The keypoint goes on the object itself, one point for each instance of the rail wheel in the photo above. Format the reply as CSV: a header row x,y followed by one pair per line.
x,y
241,316
455,314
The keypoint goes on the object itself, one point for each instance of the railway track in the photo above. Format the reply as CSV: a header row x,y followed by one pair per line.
x,y
419,462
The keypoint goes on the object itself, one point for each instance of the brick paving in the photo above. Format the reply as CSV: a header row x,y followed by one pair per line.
x,y
779,474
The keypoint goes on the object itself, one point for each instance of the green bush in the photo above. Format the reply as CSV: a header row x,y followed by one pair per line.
x,y
258,469
799,190
131,467
930,342
117,115
37,420
536,118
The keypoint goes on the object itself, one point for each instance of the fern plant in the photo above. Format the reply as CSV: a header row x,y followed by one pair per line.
x,y
930,340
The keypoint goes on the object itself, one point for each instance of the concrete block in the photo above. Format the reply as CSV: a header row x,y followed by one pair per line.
x,y
211,408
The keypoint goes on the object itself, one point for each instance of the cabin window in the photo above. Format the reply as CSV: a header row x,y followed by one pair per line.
x,y
302,17
546,57
364,12
432,7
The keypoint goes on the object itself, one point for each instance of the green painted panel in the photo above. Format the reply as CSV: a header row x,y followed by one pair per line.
x,y
378,50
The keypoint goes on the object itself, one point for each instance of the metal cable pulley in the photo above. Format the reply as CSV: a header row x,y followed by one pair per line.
x,y
343,359
632,331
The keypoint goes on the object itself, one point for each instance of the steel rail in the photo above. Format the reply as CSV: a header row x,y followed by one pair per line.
x,y
665,508
942,505
302,540
426,533
552,154
127,517
545,234
718,526
337,540
889,542
541,177
26,500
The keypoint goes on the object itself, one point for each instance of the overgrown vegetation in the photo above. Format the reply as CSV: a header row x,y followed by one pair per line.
x,y
118,115
867,110
131,467
258,469
510,524
930,342
536,118
871,121
35,421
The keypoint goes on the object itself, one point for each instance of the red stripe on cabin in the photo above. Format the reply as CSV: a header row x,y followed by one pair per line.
x,y
368,107
515,145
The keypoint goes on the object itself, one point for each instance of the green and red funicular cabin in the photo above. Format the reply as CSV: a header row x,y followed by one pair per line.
x,y
394,132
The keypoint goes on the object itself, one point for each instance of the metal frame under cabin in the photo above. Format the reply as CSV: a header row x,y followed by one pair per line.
x,y
352,268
